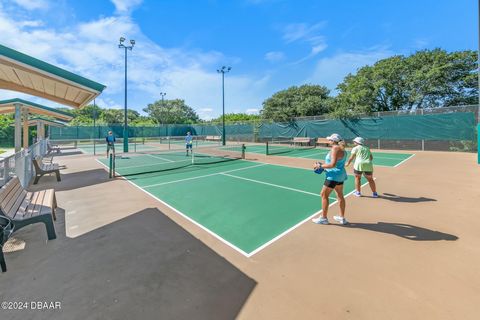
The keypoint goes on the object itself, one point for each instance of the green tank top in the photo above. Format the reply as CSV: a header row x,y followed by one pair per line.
x,y
362,158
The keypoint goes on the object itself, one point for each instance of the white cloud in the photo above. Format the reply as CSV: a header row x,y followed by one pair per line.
x,y
126,6
252,111
90,49
32,4
302,32
330,71
274,56
31,23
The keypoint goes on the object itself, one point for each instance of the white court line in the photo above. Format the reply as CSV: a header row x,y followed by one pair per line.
x,y
150,164
204,176
296,226
272,185
185,216
403,161
248,255
154,156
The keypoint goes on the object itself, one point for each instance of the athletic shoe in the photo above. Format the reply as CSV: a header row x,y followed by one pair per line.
x,y
340,219
320,220
357,194
375,195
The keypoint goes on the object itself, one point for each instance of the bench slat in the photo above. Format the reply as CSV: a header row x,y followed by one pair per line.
x,y
11,198
16,205
6,189
33,207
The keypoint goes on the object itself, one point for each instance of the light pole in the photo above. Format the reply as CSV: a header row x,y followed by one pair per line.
x,y
125,125
163,94
94,118
223,70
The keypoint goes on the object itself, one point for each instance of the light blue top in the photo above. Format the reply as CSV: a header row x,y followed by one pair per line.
x,y
188,139
338,173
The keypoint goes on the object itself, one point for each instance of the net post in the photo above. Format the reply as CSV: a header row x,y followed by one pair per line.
x,y
266,148
243,150
110,174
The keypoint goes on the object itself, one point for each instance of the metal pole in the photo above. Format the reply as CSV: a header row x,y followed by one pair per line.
x,y
94,127
223,108
125,125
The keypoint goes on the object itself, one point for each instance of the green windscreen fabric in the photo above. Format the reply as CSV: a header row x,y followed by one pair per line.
x,y
445,126
452,126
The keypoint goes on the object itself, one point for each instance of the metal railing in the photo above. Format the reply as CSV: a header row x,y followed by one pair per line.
x,y
20,164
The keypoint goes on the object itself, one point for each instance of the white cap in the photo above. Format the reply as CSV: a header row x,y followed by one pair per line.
x,y
335,137
359,140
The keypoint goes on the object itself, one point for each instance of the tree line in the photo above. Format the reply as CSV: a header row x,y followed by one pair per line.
x,y
425,79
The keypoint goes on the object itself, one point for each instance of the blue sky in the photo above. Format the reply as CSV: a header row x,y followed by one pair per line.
x,y
270,44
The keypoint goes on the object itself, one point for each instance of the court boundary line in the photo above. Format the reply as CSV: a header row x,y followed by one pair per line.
x,y
271,184
153,156
224,241
204,176
403,161
376,165
152,164
266,244
231,245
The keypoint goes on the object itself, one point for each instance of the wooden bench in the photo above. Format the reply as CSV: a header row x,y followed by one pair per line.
x,y
302,140
323,141
42,169
24,207
52,148
213,138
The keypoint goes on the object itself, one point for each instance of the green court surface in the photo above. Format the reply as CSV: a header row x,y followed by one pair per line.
x,y
147,146
245,204
102,148
387,159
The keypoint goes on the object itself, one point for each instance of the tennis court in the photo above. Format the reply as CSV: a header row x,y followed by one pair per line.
x,y
245,204
142,145
386,159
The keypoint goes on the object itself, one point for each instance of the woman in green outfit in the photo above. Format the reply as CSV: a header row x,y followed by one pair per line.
x,y
362,165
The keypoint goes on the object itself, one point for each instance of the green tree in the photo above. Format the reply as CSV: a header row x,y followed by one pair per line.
x,y
237,117
426,79
306,100
171,111
84,116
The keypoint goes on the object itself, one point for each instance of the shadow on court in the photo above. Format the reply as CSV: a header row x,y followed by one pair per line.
x,y
395,198
406,231
142,267
72,181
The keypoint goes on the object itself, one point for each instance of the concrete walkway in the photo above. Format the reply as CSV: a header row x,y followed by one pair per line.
x,y
121,254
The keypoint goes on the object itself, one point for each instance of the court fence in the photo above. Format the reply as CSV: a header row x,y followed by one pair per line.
x,y
439,129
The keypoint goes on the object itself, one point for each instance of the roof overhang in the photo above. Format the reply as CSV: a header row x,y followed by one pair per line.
x,y
22,73
8,106
53,123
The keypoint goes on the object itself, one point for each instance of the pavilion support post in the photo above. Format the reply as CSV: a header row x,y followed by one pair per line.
x,y
25,128
18,127
39,130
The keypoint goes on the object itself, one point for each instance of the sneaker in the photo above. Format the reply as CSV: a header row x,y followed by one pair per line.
x,y
357,194
375,195
320,220
340,219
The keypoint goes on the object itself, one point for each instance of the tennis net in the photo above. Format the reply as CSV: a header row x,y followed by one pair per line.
x,y
147,163
285,146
